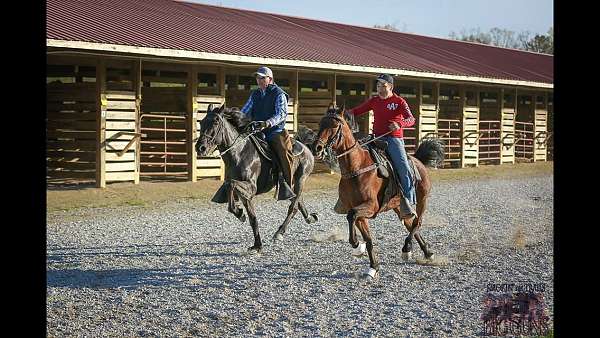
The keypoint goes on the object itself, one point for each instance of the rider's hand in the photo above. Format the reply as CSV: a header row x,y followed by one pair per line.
x,y
393,126
258,125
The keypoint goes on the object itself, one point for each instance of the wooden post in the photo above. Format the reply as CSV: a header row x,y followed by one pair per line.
x,y
221,81
101,104
437,107
137,88
417,112
192,91
294,91
461,109
369,118
540,125
333,88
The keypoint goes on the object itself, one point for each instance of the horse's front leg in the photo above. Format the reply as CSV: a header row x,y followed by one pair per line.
x,y
292,210
351,229
249,205
233,208
363,225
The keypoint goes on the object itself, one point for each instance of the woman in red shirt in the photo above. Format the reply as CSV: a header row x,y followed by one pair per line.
x,y
391,113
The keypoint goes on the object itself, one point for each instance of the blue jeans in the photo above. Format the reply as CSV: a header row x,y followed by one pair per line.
x,y
397,153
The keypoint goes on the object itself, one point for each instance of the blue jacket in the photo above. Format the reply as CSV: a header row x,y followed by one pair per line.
x,y
270,106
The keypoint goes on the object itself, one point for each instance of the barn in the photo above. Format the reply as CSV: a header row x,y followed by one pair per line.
x,y
128,82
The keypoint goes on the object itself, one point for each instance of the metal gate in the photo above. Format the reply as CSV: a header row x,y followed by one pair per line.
x,y
489,142
163,151
524,142
449,132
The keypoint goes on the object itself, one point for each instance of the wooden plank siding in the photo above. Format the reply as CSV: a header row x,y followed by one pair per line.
x,y
90,121
209,166
71,110
120,134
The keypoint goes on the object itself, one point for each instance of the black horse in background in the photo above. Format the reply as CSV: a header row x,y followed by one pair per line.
x,y
248,171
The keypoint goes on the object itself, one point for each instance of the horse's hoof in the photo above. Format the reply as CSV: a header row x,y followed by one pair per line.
x,y
277,237
406,255
360,250
254,250
430,257
313,218
242,218
371,274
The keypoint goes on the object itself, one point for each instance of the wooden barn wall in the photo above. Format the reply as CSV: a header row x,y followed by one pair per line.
x,y
71,117
525,127
449,124
550,143
411,91
125,129
164,107
490,127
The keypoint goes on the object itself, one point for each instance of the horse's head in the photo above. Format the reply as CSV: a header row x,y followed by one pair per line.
x,y
330,130
211,131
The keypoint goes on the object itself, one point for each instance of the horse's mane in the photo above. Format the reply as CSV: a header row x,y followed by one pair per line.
x,y
236,118
352,124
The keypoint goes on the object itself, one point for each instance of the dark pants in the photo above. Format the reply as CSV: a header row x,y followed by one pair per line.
x,y
281,145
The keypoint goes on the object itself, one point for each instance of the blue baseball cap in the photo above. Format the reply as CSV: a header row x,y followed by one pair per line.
x,y
385,78
264,71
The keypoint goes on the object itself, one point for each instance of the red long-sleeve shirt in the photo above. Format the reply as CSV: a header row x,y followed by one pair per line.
x,y
394,108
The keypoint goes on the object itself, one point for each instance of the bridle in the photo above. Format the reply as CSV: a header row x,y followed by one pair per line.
x,y
337,136
220,124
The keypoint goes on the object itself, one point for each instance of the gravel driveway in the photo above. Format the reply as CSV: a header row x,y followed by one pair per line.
x,y
181,269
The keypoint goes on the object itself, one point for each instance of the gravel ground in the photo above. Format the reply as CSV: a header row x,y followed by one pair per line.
x,y
181,269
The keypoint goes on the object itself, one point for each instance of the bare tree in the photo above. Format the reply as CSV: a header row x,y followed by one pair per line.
x,y
474,35
508,39
392,27
387,27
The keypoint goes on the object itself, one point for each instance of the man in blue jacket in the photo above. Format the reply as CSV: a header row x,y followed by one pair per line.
x,y
267,109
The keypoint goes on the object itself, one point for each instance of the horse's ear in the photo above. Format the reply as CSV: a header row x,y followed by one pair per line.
x,y
343,107
340,111
210,108
331,106
221,109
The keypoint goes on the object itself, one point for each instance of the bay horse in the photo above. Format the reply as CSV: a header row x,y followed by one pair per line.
x,y
361,190
247,171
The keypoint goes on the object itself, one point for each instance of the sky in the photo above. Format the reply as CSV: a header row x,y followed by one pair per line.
x,y
436,18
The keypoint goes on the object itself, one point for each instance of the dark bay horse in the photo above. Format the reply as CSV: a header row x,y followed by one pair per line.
x,y
362,193
248,172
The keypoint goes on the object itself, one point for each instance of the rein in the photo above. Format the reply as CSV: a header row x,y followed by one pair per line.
x,y
235,142
338,137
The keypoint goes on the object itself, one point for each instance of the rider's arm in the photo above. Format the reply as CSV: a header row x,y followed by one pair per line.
x,y
247,108
280,111
362,108
408,120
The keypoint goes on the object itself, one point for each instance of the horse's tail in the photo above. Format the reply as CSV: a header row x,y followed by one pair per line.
x,y
431,152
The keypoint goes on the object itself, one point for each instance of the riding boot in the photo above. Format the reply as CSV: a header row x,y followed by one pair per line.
x,y
284,192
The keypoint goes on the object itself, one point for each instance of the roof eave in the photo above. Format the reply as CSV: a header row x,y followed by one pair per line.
x,y
177,53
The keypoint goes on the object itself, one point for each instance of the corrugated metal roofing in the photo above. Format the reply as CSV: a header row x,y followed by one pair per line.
x,y
169,24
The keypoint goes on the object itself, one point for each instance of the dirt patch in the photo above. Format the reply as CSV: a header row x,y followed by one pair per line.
x,y
150,193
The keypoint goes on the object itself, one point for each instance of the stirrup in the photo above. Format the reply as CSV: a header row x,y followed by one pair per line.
x,y
284,191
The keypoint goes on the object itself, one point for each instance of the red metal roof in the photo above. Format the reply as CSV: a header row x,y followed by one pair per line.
x,y
179,25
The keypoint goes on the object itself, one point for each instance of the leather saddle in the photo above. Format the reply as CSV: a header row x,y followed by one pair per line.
x,y
377,150
263,147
